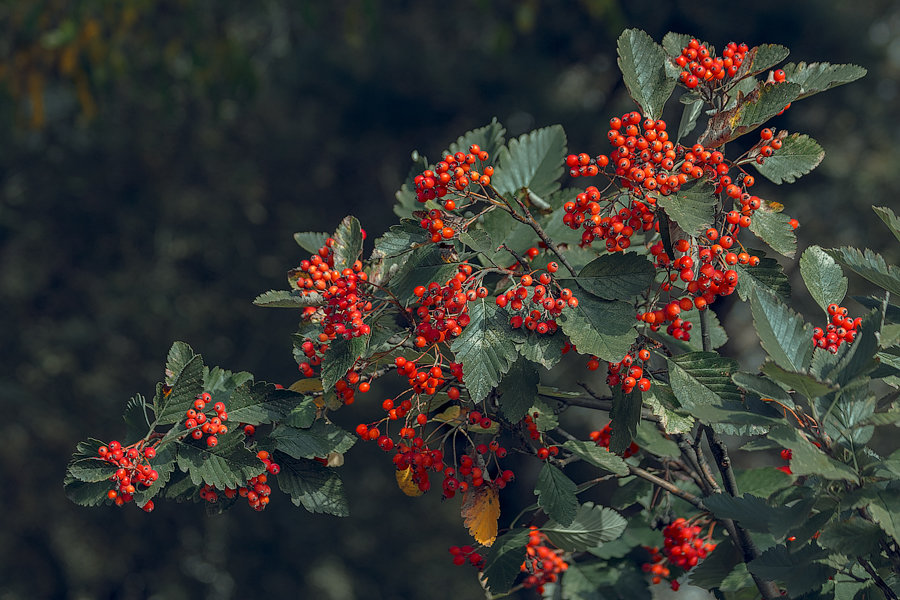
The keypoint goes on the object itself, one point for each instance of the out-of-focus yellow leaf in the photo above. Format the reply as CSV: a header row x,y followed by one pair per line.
x,y
406,484
480,511
453,415
307,386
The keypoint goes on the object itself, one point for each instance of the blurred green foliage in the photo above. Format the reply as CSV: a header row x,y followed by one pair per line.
x,y
157,157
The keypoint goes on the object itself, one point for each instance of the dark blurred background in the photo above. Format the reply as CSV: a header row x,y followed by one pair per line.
x,y
156,157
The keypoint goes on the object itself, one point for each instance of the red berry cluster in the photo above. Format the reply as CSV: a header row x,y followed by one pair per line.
x,y
456,172
257,490
840,329
471,475
627,373
443,311
682,547
547,302
199,424
768,143
542,563
603,436
616,227
702,67
428,381
433,222
531,426
467,554
134,470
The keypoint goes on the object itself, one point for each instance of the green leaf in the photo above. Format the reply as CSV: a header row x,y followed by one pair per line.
x,y
760,58
673,43
546,419
869,265
180,354
422,266
716,567
491,138
663,403
853,537
478,240
689,116
303,414
890,219
135,417
619,276
348,243
545,350
808,385
702,379
885,510
556,494
503,560
752,512
597,456
774,229
693,207
317,488
259,403
798,155
625,416
289,299
767,275
534,161
85,493
782,332
818,77
319,440
519,390
808,459
226,465
400,239
600,327
604,580
823,277
484,348
222,382
311,241
591,526
763,481
763,387
341,356
86,464
187,385
764,103
795,569
652,440
643,65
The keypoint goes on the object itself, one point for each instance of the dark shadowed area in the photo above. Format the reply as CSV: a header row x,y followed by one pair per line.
x,y
157,158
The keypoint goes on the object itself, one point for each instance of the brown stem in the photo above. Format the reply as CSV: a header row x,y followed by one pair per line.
x,y
668,486
882,585
529,220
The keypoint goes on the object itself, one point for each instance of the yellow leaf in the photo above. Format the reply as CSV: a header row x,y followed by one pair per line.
x,y
406,484
451,416
480,511
307,386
